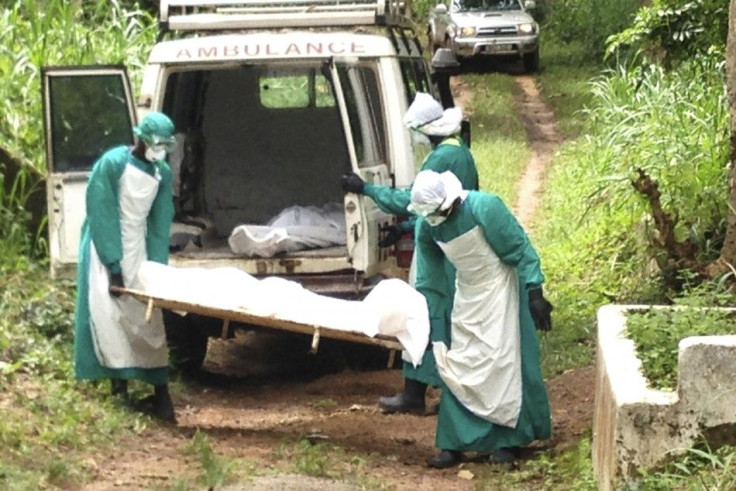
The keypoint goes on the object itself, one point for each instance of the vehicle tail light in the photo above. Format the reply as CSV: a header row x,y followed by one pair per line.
x,y
404,250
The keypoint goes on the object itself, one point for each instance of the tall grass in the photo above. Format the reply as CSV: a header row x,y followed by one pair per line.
x,y
35,33
596,230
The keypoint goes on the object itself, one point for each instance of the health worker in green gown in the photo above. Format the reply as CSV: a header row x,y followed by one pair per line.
x,y
129,209
494,400
432,125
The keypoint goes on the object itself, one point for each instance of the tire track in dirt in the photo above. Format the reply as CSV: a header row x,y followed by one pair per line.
x,y
541,128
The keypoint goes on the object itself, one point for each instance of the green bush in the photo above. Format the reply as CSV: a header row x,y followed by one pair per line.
x,y
585,23
674,31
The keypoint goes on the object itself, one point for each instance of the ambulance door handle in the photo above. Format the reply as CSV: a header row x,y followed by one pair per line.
x,y
356,235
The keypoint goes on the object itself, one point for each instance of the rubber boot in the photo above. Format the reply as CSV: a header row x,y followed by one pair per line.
x,y
503,455
411,400
445,459
163,407
119,389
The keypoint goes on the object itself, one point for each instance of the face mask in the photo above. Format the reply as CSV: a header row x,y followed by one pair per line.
x,y
434,220
419,138
155,155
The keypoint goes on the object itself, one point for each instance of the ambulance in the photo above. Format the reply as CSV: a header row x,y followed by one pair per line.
x,y
273,101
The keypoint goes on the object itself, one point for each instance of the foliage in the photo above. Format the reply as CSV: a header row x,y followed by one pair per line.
x,y
585,23
678,124
675,30
36,33
215,470
48,419
700,468
657,332
571,469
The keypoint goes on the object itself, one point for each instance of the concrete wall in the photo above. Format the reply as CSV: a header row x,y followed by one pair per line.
x,y
635,426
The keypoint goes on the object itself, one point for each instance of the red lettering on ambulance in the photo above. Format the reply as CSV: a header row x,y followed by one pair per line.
x,y
357,48
336,48
183,53
268,50
314,48
292,49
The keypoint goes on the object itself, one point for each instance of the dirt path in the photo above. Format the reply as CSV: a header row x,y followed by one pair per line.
x,y
539,122
257,409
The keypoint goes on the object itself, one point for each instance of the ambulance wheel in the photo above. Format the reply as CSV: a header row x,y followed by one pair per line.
x,y
187,342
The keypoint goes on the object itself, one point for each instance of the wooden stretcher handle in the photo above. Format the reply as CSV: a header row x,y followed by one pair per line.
x,y
149,310
315,341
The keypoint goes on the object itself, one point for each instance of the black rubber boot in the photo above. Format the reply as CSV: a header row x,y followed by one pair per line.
x,y
445,459
163,407
411,400
119,389
503,455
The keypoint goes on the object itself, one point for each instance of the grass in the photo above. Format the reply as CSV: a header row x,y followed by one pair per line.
x,y
215,470
49,421
499,142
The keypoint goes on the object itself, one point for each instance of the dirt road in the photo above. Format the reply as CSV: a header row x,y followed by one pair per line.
x,y
259,409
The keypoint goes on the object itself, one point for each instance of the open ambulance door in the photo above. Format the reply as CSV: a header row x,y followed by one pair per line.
x,y
358,92
87,110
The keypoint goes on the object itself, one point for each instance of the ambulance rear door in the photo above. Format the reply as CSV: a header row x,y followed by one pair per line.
x,y
87,110
358,88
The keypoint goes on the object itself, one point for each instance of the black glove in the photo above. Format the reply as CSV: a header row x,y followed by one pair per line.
x,y
352,183
393,234
541,310
116,279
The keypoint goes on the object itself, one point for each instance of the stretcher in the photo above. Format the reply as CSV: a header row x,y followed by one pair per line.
x,y
272,322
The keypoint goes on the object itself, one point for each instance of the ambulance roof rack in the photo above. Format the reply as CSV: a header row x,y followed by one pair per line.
x,y
207,15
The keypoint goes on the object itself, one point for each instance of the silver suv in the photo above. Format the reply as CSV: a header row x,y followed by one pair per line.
x,y
481,28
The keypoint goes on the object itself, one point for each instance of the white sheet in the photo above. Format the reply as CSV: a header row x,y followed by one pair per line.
x,y
392,308
294,229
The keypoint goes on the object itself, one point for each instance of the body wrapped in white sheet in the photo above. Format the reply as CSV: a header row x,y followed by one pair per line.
x,y
294,229
392,308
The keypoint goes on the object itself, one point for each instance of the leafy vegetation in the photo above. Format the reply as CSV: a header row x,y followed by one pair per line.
x,y
657,332
672,31
215,470
585,25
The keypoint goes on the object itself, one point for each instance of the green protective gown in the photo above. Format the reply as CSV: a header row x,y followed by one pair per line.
x,y
457,427
102,227
453,155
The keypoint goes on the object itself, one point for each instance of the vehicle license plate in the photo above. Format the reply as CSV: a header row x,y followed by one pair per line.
x,y
495,48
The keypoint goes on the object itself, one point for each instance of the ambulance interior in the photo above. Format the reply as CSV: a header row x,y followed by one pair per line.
x,y
255,140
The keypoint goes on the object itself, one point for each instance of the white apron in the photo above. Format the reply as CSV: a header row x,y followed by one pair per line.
x,y
120,333
483,367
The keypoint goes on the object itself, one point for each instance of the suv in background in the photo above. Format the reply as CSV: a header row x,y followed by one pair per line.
x,y
481,28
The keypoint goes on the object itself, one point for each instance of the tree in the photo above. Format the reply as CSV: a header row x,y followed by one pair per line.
x,y
727,257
